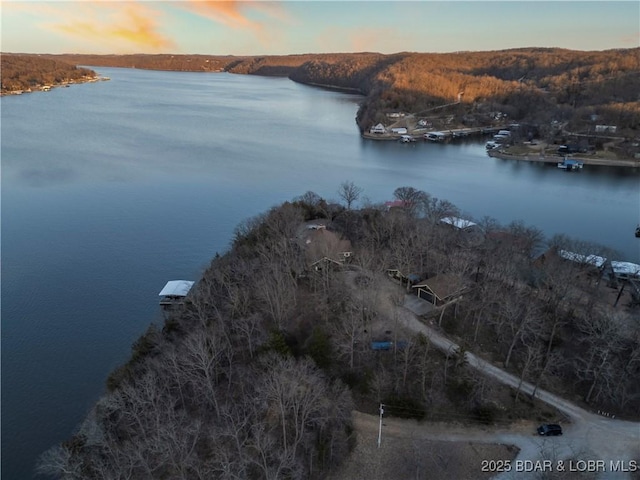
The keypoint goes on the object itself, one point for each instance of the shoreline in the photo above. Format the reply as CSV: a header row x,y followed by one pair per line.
x,y
534,157
48,88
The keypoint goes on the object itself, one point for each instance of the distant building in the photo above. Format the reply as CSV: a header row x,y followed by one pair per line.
x,y
379,128
606,128
441,289
324,247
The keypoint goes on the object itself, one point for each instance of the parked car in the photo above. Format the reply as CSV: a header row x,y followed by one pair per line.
x,y
549,430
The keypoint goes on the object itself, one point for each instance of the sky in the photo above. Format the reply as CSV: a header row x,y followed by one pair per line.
x,y
278,28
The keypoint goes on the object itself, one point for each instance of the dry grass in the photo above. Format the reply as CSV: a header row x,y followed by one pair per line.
x,y
405,453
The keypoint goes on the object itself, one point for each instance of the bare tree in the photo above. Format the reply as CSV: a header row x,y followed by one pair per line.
x,y
201,362
413,199
347,332
349,192
59,461
277,291
603,335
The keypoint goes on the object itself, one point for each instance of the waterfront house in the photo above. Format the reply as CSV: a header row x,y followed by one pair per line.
x,y
379,128
325,248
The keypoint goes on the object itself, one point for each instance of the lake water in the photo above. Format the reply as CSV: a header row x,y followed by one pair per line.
x,y
112,188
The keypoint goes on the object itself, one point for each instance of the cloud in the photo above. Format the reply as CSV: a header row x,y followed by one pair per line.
x,y
256,17
121,26
227,12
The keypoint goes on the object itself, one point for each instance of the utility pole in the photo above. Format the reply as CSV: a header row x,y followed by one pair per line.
x,y
624,284
380,428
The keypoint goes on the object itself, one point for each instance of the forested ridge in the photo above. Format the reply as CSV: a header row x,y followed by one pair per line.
x,y
30,72
256,374
534,85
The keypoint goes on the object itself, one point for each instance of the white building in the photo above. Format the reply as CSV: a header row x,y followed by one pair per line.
x,y
379,128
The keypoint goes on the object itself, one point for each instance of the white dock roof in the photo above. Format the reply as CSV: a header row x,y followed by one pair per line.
x,y
176,288
594,260
457,222
626,268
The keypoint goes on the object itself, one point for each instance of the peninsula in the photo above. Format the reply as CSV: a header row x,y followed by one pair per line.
x,y
322,317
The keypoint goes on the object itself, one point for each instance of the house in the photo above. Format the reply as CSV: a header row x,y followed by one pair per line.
x,y
379,128
441,289
324,247
399,130
397,204
569,149
411,278
606,128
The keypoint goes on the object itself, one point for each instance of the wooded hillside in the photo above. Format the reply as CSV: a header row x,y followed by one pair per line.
x,y
27,72
534,85
255,375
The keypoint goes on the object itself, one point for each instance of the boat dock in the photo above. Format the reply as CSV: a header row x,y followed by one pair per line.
x,y
174,292
569,164
432,135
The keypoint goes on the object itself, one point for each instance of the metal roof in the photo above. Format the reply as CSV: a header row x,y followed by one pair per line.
x,y
594,260
176,288
626,268
457,222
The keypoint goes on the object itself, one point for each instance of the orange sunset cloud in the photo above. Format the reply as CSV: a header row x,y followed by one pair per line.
x,y
226,12
235,14
126,26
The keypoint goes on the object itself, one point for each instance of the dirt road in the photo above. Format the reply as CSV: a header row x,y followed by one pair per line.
x,y
615,444
611,445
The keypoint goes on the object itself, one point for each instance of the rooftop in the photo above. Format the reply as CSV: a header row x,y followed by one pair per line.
x,y
457,222
176,288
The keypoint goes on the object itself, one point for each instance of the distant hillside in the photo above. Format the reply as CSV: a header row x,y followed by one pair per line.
x,y
29,72
533,85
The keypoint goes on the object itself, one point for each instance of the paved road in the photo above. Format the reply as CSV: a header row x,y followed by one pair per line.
x,y
588,437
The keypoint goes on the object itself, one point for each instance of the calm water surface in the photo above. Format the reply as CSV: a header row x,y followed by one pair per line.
x,y
110,189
